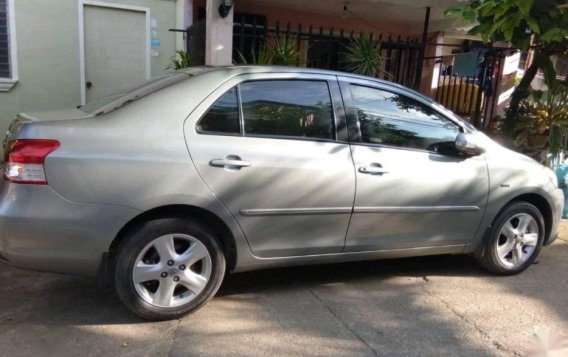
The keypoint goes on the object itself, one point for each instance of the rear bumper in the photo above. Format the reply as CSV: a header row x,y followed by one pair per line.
x,y
41,230
557,207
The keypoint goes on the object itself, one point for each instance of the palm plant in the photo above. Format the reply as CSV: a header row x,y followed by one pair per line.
x,y
181,60
260,56
281,52
286,52
363,56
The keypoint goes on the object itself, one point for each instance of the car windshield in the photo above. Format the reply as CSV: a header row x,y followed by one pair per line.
x,y
107,104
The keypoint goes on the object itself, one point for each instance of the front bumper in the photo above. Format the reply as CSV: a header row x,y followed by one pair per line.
x,y
41,230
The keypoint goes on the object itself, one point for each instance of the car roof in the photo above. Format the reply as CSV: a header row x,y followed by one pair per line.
x,y
286,69
235,70
245,69
227,72
111,103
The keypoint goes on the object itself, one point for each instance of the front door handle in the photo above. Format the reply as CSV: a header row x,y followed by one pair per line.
x,y
373,169
230,162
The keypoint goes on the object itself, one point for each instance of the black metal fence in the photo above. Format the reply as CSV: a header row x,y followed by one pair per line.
x,y
324,48
194,42
471,92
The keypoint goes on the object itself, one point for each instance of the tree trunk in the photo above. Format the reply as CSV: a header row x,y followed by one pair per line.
x,y
523,90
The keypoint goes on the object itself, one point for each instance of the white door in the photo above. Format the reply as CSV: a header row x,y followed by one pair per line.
x,y
115,50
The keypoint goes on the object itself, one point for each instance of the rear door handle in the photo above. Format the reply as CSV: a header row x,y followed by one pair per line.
x,y
230,162
372,170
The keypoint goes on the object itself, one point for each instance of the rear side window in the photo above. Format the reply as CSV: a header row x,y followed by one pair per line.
x,y
392,119
223,116
289,108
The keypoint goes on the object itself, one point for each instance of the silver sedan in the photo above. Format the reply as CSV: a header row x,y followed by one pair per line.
x,y
164,189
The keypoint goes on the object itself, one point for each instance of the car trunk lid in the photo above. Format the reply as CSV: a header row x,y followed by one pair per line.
x,y
31,117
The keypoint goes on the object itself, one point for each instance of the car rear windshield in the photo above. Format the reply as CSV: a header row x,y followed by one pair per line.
x,y
107,104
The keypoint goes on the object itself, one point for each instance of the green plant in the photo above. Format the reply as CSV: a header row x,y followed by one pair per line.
x,y
260,56
180,60
363,56
286,52
282,52
542,123
540,25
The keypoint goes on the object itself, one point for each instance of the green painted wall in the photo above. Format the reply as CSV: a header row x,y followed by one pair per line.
x,y
48,53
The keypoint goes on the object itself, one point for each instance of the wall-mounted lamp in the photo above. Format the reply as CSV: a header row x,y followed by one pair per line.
x,y
345,13
225,7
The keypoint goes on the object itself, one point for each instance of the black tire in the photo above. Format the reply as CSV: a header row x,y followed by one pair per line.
x,y
139,238
490,260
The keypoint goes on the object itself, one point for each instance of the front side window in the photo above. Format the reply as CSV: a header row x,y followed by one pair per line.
x,y
395,120
223,116
288,108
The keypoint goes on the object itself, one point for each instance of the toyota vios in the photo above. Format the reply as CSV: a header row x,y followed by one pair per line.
x,y
162,190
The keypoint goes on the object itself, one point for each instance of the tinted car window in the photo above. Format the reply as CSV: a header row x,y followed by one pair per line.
x,y
287,108
392,119
223,116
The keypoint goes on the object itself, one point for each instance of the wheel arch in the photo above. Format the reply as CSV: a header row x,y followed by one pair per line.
x,y
218,226
539,201
543,205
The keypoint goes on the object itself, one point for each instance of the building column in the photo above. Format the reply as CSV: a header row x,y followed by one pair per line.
x,y
218,35
422,53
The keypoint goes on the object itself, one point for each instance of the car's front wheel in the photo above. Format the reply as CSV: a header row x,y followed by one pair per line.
x,y
168,267
514,240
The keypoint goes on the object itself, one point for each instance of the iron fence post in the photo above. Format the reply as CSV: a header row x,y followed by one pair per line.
x,y
422,49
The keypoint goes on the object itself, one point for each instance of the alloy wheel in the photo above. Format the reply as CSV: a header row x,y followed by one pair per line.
x,y
517,240
172,270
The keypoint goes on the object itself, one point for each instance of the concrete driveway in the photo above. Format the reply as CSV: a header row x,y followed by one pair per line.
x,y
425,306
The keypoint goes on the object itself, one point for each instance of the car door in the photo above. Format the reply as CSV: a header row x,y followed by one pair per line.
x,y
269,147
413,189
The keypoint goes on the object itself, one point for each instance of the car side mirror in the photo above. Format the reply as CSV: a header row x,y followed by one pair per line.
x,y
468,144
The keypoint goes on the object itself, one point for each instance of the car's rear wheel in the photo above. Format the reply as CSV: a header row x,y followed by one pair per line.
x,y
168,267
514,240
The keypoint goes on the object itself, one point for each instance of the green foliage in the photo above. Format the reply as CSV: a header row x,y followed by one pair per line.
x,y
516,21
542,122
363,56
282,52
181,60
286,52
261,56
540,25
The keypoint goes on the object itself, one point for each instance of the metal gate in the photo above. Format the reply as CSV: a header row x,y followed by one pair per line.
x,y
468,83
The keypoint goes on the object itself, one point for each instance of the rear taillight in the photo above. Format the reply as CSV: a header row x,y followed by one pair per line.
x,y
24,160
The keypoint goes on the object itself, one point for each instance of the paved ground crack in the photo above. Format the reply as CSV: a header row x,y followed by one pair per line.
x,y
338,318
462,317
174,337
